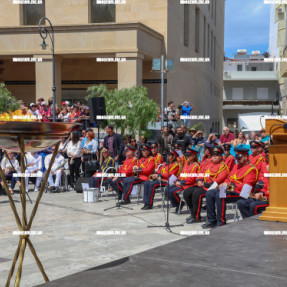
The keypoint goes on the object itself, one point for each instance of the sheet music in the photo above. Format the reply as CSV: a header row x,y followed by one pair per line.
x,y
222,192
172,179
245,191
213,186
85,186
179,152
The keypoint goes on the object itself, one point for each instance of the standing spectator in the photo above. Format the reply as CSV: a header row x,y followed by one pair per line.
x,y
226,137
181,139
186,110
253,136
178,113
184,129
114,143
247,139
74,154
164,142
33,110
50,102
75,112
39,101
83,134
169,112
240,140
64,115
45,112
171,130
85,116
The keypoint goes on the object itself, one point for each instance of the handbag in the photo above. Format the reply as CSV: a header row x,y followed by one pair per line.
x,y
91,164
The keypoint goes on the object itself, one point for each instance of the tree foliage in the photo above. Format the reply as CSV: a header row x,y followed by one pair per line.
x,y
7,102
133,103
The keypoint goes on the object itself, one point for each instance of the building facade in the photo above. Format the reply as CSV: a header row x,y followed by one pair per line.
x,y
137,30
250,86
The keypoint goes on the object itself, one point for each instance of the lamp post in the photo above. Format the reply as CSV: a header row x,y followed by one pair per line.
x,y
44,32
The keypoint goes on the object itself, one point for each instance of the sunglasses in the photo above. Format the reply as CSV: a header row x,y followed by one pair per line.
x,y
254,146
238,156
216,153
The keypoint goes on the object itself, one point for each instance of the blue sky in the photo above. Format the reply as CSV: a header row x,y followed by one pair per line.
x,y
246,26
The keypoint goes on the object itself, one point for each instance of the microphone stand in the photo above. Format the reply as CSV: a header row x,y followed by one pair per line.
x,y
167,226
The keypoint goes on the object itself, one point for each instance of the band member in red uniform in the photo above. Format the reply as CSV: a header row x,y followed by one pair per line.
x,y
126,168
218,172
161,177
141,173
256,158
261,150
244,174
181,158
228,158
185,180
259,200
206,155
157,156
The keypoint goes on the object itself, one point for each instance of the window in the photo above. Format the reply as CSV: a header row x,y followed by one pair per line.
x,y
208,41
211,50
102,13
32,13
237,94
197,15
262,93
253,69
186,25
232,123
239,68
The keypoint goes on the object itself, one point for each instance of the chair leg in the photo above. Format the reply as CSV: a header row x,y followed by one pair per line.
x,y
236,217
179,208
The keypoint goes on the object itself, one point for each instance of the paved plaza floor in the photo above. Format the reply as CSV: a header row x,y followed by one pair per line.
x,y
72,237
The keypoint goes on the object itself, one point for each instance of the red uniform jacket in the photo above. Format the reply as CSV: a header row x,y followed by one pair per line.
x,y
166,172
217,172
128,165
147,165
257,161
189,181
262,184
158,159
230,161
264,155
205,160
181,160
239,176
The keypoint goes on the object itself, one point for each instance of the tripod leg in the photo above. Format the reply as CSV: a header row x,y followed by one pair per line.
x,y
27,193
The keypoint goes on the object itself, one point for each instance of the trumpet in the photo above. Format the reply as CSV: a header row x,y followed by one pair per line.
x,y
151,177
230,188
135,171
263,199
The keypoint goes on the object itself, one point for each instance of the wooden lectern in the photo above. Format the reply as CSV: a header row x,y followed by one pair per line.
x,y
277,210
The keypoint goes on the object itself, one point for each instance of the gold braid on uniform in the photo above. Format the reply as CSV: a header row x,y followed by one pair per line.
x,y
237,178
184,177
222,168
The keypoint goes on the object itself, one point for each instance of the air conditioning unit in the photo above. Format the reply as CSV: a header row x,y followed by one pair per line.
x,y
255,53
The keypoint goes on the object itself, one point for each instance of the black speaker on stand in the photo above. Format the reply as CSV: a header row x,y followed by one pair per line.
x,y
97,108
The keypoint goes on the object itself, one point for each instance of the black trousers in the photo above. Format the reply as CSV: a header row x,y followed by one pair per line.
x,y
249,207
117,185
193,198
75,169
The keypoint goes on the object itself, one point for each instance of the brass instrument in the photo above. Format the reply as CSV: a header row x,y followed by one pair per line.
x,y
153,179
230,188
263,199
135,171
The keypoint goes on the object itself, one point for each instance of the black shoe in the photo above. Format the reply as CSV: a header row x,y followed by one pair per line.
x,y
147,207
189,218
208,225
144,206
181,207
193,220
123,202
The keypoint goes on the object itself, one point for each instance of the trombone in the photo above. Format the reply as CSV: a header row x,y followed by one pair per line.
x,y
151,175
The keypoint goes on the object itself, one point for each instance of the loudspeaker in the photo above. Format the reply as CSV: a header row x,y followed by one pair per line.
x,y
97,108
78,185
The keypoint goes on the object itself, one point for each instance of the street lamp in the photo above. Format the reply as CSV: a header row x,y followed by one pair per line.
x,y
44,32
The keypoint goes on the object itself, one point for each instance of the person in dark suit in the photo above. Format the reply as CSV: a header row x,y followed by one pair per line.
x,y
114,143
